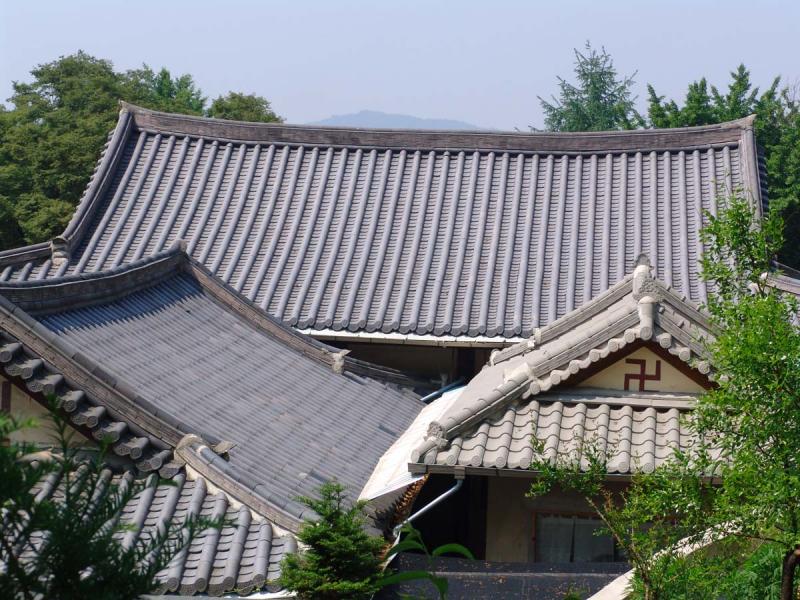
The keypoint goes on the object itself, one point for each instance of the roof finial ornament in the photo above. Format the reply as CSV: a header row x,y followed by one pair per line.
x,y
647,292
338,361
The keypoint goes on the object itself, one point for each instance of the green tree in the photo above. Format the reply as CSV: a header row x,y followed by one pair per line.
x,y
66,545
652,520
52,134
705,104
599,100
777,128
161,91
50,140
342,560
243,107
751,415
746,431
697,109
11,234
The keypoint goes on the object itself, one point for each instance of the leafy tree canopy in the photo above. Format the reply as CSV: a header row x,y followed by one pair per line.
x,y
751,417
243,107
599,100
55,128
739,483
161,91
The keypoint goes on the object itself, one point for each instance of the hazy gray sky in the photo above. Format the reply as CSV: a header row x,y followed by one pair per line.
x,y
482,62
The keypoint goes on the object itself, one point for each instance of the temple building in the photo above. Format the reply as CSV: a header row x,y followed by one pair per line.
x,y
252,310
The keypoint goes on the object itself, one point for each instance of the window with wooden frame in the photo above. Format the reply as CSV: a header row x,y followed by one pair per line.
x,y
571,538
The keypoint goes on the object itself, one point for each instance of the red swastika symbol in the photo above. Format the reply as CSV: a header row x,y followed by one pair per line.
x,y
642,376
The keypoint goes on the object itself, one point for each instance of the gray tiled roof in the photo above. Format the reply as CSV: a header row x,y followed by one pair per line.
x,y
243,556
638,431
521,393
785,283
442,233
183,354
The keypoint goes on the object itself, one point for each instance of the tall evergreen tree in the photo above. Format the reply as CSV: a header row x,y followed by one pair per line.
x,y
598,101
777,128
697,109
342,560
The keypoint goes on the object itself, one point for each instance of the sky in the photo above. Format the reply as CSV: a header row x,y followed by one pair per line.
x,y
481,62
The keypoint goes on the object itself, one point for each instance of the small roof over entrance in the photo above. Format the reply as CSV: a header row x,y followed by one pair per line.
x,y
622,370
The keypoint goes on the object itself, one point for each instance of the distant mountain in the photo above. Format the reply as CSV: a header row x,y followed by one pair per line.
x,y
377,119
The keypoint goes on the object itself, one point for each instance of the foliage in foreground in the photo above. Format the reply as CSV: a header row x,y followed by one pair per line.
x,y
412,542
732,569
651,519
751,416
72,544
342,561
747,434
53,133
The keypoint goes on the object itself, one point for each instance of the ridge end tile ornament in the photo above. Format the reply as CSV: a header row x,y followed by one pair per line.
x,y
59,250
644,284
436,433
338,361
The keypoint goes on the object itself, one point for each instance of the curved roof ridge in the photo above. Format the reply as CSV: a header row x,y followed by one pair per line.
x,y
23,253
198,455
729,132
84,289
104,401
74,291
100,178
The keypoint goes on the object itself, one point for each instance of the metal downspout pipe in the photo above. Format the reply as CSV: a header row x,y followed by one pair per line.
x,y
438,500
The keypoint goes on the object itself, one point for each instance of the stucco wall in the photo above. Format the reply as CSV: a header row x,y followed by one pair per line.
x,y
22,406
510,515
660,375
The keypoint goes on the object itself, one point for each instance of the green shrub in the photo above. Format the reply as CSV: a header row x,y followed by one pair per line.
x,y
341,560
